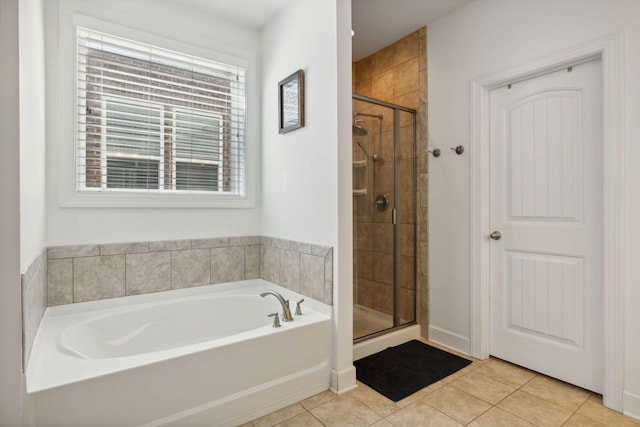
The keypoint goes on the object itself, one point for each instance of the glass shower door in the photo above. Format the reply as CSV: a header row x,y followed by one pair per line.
x,y
384,217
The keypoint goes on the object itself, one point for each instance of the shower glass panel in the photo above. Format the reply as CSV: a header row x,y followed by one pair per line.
x,y
384,205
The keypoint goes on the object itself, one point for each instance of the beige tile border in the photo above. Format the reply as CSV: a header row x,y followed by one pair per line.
x,y
302,267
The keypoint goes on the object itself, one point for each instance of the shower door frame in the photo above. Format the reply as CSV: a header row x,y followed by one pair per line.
x,y
394,215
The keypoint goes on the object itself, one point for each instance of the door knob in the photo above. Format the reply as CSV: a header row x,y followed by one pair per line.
x,y
495,235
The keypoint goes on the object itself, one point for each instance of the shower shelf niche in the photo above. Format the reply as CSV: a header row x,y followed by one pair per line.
x,y
360,164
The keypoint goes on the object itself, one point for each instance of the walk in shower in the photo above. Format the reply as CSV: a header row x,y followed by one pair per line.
x,y
384,217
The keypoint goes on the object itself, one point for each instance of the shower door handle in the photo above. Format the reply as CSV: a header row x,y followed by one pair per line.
x,y
495,235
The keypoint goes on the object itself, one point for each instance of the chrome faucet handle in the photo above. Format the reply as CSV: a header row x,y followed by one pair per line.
x,y
276,319
298,309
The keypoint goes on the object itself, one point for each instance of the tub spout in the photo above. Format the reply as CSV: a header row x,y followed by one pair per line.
x,y
286,311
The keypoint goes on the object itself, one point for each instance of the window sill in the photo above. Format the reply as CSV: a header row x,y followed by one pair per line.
x,y
151,200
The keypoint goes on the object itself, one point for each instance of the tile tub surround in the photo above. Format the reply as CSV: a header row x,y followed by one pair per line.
x,y
34,302
302,267
92,272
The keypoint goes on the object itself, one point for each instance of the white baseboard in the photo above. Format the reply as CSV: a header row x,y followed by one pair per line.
x,y
631,405
449,339
344,380
374,345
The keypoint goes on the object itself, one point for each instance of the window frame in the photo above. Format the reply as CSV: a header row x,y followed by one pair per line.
x,y
68,193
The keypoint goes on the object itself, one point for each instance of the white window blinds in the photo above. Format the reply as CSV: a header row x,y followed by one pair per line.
x,y
154,120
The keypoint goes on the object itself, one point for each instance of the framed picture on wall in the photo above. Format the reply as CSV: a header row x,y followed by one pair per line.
x,y
291,102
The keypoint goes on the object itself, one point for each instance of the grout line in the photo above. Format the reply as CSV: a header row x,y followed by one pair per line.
x,y
210,262
125,275
314,417
73,280
481,414
578,408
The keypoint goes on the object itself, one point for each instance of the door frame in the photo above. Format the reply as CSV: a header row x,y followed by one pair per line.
x,y
608,49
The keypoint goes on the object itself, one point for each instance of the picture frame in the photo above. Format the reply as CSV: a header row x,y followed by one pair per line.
x,y
291,102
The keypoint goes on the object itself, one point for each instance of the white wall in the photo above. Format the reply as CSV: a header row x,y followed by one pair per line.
x,y
484,37
300,169
343,290
32,131
22,180
10,301
178,25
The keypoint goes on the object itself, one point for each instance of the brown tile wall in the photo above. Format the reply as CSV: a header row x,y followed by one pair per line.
x,y
396,74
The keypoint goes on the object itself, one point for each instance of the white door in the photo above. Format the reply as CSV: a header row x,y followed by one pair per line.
x,y
546,203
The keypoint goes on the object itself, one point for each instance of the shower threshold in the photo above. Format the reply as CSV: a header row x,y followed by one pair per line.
x,y
372,344
373,331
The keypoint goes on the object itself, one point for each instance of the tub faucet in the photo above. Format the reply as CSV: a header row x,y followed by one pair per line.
x,y
286,312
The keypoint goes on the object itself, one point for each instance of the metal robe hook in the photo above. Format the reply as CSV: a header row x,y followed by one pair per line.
x,y
435,152
459,149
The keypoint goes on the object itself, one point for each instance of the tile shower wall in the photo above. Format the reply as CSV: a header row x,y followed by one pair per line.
x,y
396,74
92,272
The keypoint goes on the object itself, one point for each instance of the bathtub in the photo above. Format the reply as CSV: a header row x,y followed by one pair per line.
x,y
203,356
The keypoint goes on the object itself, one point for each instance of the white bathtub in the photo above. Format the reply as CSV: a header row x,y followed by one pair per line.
x,y
201,356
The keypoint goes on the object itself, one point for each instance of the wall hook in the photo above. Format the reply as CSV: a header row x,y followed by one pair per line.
x,y
435,152
459,149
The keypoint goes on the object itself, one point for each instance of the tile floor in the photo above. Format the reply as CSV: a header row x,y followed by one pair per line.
x,y
490,393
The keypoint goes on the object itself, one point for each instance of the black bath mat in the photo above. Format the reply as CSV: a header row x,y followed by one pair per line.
x,y
400,371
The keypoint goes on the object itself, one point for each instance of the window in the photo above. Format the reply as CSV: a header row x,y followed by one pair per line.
x,y
154,120
197,151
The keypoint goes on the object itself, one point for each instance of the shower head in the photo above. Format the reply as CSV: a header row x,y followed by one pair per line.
x,y
359,131
359,127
